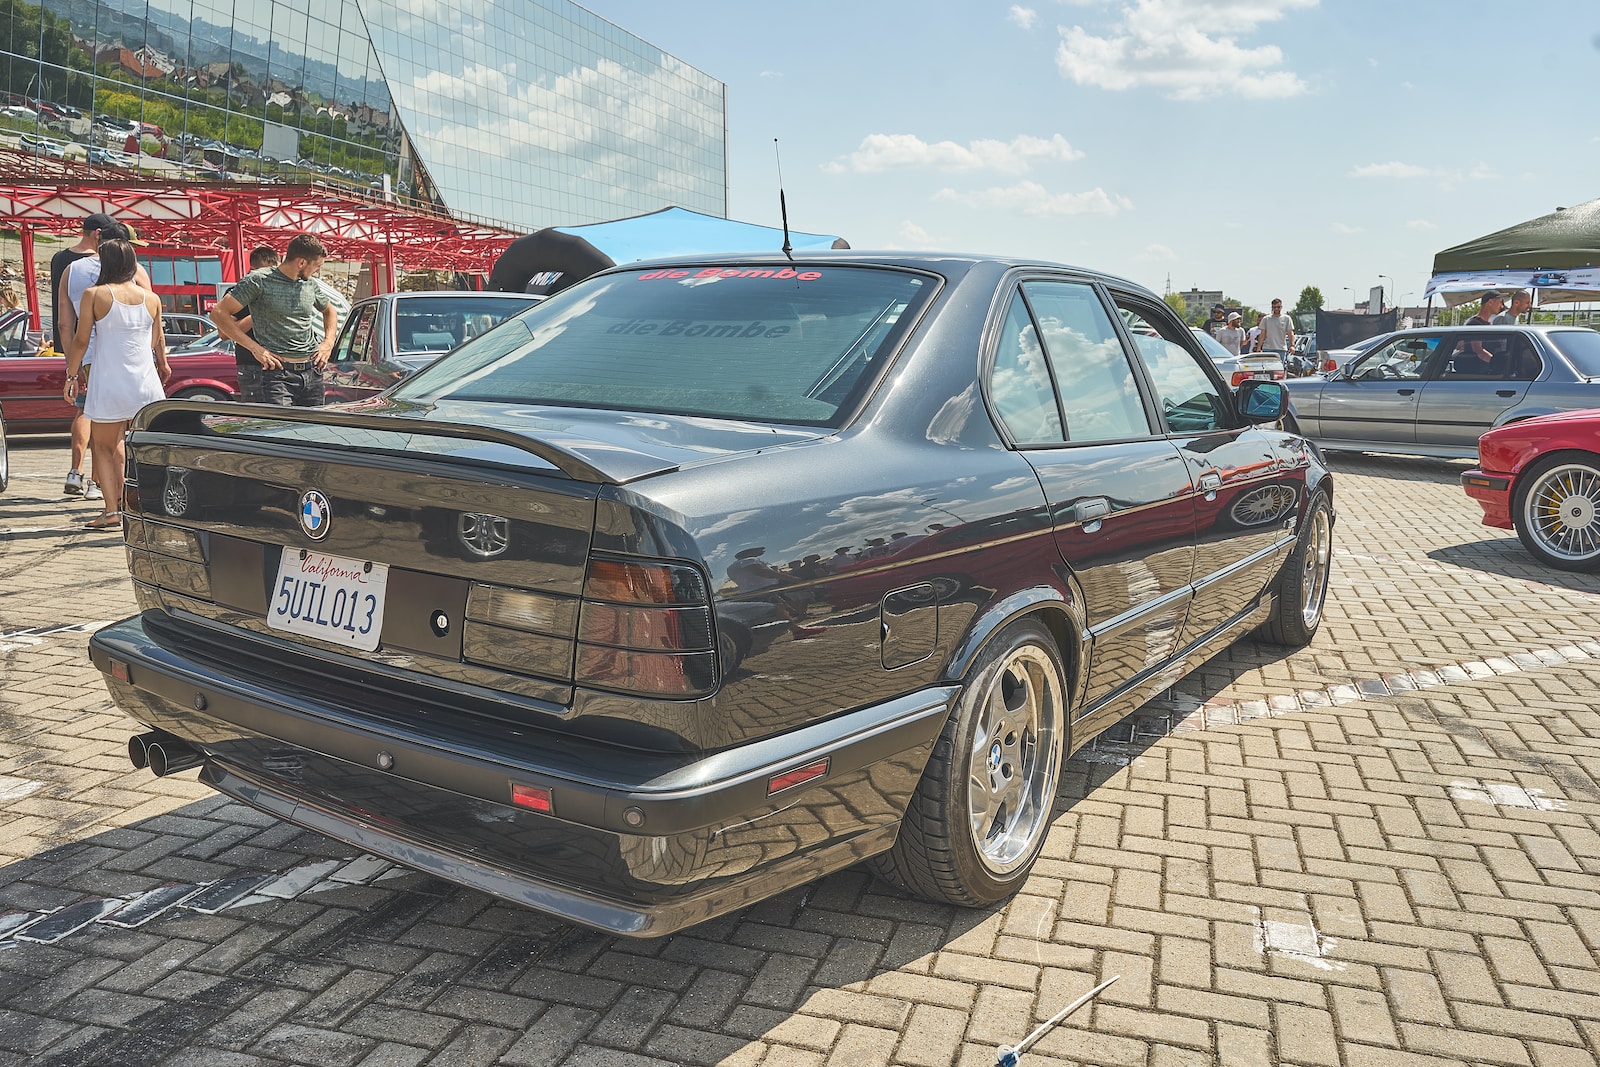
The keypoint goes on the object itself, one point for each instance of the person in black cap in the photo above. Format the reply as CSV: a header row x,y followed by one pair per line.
x,y
1473,357
62,313
1486,313
1216,321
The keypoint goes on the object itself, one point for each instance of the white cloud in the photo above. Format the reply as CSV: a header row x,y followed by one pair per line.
x,y
1187,48
1393,169
1157,254
1340,227
772,74
1031,198
1447,179
1421,224
892,151
1026,17
915,236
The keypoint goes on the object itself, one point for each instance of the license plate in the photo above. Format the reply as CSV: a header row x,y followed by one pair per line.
x,y
331,598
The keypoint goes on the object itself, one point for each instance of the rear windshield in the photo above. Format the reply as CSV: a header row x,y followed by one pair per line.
x,y
1582,349
784,343
439,323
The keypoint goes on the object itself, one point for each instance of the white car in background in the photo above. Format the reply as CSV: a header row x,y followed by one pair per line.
x,y
1240,368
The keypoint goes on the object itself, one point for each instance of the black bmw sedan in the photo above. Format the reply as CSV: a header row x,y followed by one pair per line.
x,y
703,579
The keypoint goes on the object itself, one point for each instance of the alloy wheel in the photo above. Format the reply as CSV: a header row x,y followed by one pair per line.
x,y
1015,759
1562,512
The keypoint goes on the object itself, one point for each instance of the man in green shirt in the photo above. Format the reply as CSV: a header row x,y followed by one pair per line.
x,y
283,336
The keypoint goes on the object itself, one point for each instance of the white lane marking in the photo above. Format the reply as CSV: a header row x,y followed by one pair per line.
x,y
17,788
1296,939
1504,795
75,528
141,908
33,636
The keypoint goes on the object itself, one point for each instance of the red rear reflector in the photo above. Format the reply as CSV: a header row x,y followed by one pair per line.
x,y
119,670
799,776
533,797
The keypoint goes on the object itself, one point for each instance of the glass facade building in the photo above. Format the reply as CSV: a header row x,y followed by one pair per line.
x,y
528,113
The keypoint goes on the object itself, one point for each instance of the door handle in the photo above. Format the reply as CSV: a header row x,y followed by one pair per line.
x,y
1405,392
1209,483
1505,392
1091,513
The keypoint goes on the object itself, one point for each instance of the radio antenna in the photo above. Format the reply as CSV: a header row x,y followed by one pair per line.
x,y
783,205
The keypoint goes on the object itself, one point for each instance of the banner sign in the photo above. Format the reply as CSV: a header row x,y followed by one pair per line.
x,y
1549,286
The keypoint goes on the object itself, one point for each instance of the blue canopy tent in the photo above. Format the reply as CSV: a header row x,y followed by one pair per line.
x,y
558,256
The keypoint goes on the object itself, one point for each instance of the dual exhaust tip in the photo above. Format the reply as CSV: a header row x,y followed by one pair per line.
x,y
162,753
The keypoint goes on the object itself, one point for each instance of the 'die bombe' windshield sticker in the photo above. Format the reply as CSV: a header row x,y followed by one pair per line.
x,y
780,273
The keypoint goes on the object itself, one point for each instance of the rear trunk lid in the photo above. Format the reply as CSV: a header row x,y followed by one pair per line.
x,y
398,551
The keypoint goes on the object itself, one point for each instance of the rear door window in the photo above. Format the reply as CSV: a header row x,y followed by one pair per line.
x,y
1099,393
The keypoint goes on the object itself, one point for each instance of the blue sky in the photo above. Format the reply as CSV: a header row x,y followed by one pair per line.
x,y
1256,146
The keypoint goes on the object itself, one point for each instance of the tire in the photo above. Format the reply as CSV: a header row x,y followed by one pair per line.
x,y
1302,585
201,394
1556,511
1004,740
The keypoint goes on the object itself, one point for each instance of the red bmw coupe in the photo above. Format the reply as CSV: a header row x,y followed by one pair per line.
x,y
1541,476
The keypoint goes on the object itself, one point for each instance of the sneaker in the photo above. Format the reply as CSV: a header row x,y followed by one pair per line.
x,y
74,486
91,491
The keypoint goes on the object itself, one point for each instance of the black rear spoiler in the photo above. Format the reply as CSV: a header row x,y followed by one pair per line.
x,y
187,417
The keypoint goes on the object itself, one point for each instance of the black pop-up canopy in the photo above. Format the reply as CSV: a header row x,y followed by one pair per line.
x,y
1556,255
558,256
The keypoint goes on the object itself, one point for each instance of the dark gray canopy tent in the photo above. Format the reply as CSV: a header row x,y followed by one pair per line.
x,y
1557,255
558,256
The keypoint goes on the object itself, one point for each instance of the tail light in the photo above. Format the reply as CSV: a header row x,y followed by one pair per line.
x,y
645,628
1330,365
1241,376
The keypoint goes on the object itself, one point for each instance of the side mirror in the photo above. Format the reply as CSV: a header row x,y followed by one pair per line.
x,y
1261,401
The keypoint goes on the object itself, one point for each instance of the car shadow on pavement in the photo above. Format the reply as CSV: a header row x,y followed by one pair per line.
x,y
1505,556
258,938
1398,468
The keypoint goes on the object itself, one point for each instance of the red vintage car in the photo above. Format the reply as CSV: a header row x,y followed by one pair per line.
x,y
1541,477
30,384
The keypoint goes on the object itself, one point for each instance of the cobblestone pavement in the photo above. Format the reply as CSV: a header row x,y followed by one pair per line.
x,y
1382,850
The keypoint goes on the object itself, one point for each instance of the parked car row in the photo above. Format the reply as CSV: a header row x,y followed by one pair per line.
x,y
31,384
1541,477
1433,391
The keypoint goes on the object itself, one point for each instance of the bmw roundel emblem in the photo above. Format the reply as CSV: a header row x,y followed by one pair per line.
x,y
315,515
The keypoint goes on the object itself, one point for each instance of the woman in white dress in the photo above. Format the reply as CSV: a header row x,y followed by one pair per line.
x,y
122,319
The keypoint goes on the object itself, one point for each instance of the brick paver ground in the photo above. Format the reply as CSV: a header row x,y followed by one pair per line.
x,y
1382,850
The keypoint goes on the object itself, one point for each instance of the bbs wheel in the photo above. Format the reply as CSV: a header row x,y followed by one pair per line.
x,y
1302,585
980,813
1556,511
201,394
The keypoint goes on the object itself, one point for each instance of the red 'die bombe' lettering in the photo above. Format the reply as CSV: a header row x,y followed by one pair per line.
x,y
778,273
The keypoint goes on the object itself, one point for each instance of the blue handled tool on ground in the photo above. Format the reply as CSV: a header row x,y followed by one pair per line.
x,y
1010,1057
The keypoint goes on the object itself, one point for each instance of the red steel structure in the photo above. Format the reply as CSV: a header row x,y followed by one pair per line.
x,y
230,218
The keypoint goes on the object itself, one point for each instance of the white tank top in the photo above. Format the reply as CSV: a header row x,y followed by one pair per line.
x,y
124,377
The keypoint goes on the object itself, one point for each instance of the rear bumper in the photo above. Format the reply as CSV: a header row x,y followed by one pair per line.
x,y
1493,492
637,844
